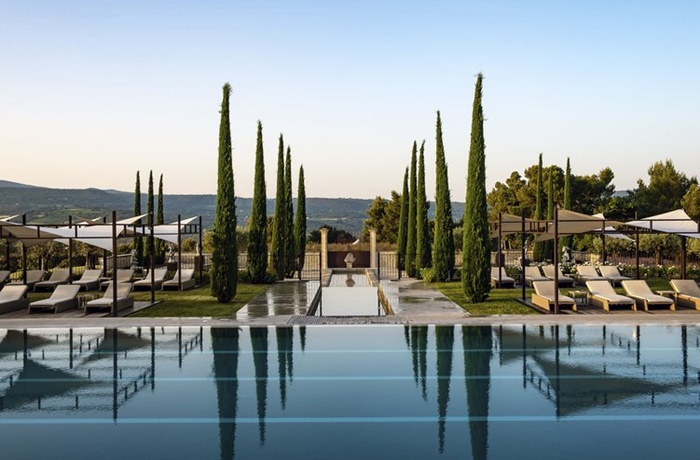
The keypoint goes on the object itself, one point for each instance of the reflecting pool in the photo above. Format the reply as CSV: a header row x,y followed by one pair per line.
x,y
342,392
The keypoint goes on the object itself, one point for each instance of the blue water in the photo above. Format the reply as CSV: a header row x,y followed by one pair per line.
x,y
351,392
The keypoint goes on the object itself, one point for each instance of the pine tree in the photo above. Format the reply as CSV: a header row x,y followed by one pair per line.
x,y
423,250
538,248
411,242
257,234
549,244
476,252
138,241
279,226
160,219
224,258
290,262
567,240
443,241
300,221
403,226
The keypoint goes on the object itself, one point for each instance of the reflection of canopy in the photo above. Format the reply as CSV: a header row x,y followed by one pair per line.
x,y
570,223
124,342
511,224
13,342
677,222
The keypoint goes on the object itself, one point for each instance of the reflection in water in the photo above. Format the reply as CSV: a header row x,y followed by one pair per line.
x,y
285,362
258,340
476,341
444,342
419,355
224,344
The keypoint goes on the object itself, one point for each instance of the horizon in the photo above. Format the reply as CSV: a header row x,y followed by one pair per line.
x,y
98,91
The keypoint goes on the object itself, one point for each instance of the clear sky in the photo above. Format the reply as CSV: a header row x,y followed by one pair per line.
x,y
92,91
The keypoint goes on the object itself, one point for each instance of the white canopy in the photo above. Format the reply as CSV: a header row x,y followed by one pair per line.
x,y
570,223
30,235
677,222
168,232
610,232
511,224
98,235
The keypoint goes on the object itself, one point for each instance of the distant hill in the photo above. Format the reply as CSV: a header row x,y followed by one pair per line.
x,y
48,205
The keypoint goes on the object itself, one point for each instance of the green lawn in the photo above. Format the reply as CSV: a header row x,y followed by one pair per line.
x,y
500,301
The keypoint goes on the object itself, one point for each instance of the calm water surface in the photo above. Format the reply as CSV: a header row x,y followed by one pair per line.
x,y
351,392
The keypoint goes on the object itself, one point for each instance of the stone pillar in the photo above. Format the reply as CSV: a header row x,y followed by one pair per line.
x,y
372,248
324,248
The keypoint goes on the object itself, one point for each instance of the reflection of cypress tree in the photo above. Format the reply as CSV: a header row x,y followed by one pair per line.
x,y
419,341
258,339
407,336
282,363
414,351
224,342
476,342
302,337
444,342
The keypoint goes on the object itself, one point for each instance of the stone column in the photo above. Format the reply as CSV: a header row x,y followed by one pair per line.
x,y
324,248
372,248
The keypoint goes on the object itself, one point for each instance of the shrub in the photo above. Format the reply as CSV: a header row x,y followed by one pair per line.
x,y
428,274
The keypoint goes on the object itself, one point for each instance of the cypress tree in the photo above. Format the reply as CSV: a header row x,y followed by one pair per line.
x,y
443,241
411,243
538,248
549,244
224,258
423,252
278,223
138,241
160,219
149,208
476,252
300,221
289,252
567,240
257,234
403,226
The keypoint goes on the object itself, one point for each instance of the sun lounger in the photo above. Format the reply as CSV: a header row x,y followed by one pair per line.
x,y
641,293
106,301
4,276
33,277
187,281
533,274
145,283
687,293
506,281
588,273
63,298
124,275
89,280
543,296
564,281
57,277
12,298
602,294
613,274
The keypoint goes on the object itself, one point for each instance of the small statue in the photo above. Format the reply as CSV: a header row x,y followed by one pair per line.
x,y
349,259
565,255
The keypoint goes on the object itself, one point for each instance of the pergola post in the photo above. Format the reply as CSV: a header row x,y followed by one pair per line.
x,y
556,260
499,253
114,263
179,252
522,254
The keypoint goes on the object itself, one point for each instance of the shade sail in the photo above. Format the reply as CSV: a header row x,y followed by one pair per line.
x,y
511,224
677,222
611,232
98,235
165,232
27,234
571,223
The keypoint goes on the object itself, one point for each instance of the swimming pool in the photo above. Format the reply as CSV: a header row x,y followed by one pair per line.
x,y
351,392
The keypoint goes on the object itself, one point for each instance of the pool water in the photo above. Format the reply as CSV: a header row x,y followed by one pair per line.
x,y
351,392
349,294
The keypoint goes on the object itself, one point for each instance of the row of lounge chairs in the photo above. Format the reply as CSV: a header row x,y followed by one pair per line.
x,y
638,295
584,273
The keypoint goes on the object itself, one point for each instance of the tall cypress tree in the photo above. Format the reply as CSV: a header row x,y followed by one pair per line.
x,y
403,226
476,252
549,244
257,234
224,258
138,241
538,248
423,250
443,241
567,240
300,221
290,261
160,218
411,243
279,226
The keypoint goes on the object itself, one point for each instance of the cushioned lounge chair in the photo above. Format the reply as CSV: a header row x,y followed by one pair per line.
x,y
687,293
187,281
124,275
63,298
602,294
12,298
533,274
89,280
613,274
57,277
588,273
145,283
506,281
564,281
33,277
106,301
4,276
543,296
641,293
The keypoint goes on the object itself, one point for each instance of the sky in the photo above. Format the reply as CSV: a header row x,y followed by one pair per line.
x,y
91,92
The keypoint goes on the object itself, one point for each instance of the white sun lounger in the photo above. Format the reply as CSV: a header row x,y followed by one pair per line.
x,y
33,277
89,280
124,275
532,274
588,273
106,301
187,280
602,294
687,293
57,277
543,296
159,277
564,281
641,293
506,281
63,298
613,274
12,298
